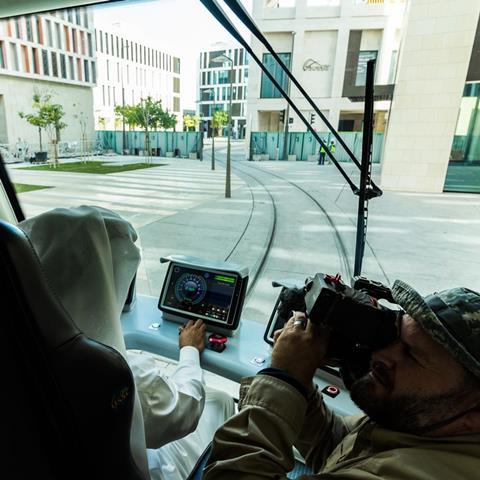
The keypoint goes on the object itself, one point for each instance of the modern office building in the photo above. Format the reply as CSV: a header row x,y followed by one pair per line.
x,y
129,70
433,138
214,81
50,53
326,44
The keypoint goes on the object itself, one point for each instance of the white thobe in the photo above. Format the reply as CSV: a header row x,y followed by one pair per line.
x,y
180,413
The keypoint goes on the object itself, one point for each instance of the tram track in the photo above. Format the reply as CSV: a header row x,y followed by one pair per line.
x,y
259,266
240,168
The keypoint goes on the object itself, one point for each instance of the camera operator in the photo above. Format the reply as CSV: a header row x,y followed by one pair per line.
x,y
421,402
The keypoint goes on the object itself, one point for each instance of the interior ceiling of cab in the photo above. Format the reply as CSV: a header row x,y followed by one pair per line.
x,y
10,8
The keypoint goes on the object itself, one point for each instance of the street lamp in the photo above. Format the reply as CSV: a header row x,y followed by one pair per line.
x,y
222,59
212,91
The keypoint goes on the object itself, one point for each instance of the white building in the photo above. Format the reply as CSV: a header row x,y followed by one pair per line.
x,y
49,53
327,44
214,85
129,70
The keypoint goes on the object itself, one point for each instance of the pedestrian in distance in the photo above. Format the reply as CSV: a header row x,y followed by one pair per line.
x,y
321,158
332,147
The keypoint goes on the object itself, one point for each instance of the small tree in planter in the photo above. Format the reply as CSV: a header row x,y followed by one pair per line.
x,y
190,123
39,120
168,121
220,119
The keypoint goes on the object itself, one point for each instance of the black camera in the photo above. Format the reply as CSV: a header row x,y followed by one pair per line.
x,y
358,324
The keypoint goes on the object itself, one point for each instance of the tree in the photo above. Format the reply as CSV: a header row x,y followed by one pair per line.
x,y
37,119
49,117
169,120
82,120
219,120
190,122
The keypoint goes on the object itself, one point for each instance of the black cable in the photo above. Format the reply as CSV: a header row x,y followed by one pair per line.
x,y
213,7
10,191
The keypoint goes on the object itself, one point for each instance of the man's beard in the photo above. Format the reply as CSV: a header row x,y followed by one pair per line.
x,y
407,413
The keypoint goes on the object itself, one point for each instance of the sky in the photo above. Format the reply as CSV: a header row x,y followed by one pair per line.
x,y
181,27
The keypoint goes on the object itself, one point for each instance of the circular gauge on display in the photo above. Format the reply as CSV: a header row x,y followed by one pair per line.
x,y
190,288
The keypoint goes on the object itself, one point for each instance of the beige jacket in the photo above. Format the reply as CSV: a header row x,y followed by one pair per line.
x,y
257,442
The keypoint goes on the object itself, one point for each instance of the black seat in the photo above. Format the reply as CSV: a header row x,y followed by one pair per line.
x,y
67,401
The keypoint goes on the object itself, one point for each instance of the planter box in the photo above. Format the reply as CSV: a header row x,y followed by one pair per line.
x,y
169,154
313,158
40,157
257,157
193,156
292,158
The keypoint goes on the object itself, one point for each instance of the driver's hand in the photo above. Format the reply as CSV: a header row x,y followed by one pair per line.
x,y
193,334
300,349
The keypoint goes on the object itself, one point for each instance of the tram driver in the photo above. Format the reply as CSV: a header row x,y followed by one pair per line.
x,y
421,403
89,257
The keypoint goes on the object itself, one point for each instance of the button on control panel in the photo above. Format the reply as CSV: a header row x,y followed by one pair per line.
x,y
331,391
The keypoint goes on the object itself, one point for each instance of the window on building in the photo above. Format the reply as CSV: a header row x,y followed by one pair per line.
x,y
13,56
393,67
58,35
40,30
116,43
363,57
86,70
46,70
94,72
236,109
118,72
112,47
90,45
245,74
128,74
77,16
72,68
3,62
28,24
79,70
108,71
63,66
106,44
176,104
240,57
54,64
108,96
48,24
267,89
114,96
85,18
176,65
176,85
103,94
82,42
70,15
18,27
74,40
223,76
127,50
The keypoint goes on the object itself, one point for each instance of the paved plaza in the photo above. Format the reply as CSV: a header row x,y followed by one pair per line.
x,y
428,240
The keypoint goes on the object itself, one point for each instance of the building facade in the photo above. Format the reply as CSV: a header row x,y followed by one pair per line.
x,y
433,137
129,70
214,81
326,44
51,53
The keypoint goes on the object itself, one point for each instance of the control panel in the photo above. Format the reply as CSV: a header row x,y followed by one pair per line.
x,y
200,289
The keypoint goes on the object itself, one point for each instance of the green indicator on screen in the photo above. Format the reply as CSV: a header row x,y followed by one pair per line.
x,y
222,278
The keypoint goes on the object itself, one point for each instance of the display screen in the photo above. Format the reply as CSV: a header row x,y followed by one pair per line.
x,y
203,293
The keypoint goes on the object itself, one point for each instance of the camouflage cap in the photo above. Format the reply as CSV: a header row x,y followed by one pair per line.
x,y
451,317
